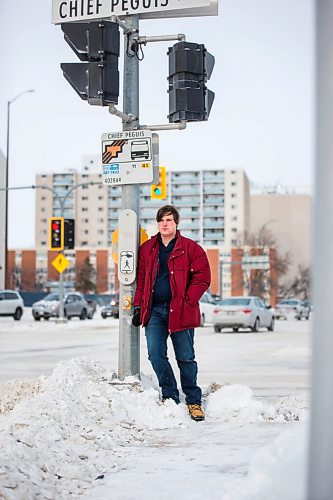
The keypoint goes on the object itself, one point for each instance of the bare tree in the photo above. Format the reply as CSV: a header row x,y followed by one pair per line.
x,y
300,286
261,280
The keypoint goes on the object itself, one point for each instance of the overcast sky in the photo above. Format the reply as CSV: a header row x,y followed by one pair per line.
x,y
261,120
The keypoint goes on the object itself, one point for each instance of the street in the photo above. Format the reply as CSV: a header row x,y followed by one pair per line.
x,y
272,364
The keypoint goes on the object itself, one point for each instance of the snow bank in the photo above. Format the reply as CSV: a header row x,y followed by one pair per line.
x,y
62,434
277,470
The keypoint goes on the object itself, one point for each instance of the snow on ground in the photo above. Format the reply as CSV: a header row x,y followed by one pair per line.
x,y
81,433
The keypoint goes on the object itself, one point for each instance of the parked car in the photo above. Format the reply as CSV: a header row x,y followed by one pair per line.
x,y
207,305
292,309
112,308
74,305
243,312
11,304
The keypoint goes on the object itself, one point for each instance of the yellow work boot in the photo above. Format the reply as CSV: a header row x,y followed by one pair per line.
x,y
196,412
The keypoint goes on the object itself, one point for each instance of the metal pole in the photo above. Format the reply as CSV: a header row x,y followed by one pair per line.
x,y
320,484
6,198
129,346
7,284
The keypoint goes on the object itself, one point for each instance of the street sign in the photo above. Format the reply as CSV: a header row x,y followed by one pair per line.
x,y
129,157
60,263
68,11
115,239
127,246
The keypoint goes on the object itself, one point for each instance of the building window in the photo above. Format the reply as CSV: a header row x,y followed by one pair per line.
x,y
234,183
100,220
43,243
100,209
100,197
234,229
100,231
84,198
84,209
233,207
43,221
233,195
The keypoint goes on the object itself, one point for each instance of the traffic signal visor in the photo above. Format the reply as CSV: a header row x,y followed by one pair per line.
x,y
159,191
56,233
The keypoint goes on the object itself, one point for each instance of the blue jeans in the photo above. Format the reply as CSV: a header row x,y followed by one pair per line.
x,y
183,344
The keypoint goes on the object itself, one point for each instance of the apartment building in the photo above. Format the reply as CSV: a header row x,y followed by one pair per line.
x,y
287,216
213,204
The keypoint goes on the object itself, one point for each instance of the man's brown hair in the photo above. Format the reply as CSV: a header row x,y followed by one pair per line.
x,y
167,210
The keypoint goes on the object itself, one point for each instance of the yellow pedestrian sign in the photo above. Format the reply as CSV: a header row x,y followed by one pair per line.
x,y
60,263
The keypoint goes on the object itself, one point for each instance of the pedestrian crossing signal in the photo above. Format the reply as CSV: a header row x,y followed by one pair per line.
x,y
159,191
56,233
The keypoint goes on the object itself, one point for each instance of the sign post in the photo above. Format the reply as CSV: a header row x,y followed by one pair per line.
x,y
129,340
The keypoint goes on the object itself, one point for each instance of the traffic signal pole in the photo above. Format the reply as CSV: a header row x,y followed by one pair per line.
x,y
129,339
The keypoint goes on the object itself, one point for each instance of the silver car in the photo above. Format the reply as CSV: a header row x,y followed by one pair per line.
x,y
74,305
292,309
243,312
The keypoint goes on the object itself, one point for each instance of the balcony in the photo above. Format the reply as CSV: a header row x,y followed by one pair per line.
x,y
185,191
213,212
214,225
188,202
185,178
213,235
210,177
218,200
213,189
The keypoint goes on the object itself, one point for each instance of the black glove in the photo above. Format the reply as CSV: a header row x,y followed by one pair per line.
x,y
136,316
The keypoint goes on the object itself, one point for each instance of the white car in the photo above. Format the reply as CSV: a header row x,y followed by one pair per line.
x,y
207,306
243,312
292,309
11,304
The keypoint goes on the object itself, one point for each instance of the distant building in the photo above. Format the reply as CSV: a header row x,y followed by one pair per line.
x,y
213,204
288,218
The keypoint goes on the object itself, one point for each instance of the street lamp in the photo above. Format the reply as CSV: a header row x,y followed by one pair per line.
x,y
6,181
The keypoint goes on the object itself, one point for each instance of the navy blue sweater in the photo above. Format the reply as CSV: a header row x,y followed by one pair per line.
x,y
162,290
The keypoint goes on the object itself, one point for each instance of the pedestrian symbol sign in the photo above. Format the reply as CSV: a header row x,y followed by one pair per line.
x,y
60,263
129,157
126,262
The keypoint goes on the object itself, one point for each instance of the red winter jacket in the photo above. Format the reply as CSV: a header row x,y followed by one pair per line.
x,y
189,279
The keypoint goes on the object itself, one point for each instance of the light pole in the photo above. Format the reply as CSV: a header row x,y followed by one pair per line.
x,y
7,183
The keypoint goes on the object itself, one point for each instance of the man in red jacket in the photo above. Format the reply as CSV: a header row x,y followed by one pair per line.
x,y
173,273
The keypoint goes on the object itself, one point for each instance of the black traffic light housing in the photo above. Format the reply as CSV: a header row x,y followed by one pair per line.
x,y
190,66
97,43
69,233
56,233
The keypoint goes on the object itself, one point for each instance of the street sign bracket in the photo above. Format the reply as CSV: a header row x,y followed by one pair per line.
x,y
167,126
127,118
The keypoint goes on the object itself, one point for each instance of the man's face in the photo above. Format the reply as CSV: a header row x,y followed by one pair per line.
x,y
167,226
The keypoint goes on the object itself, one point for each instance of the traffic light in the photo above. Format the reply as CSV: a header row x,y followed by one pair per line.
x,y
56,233
159,191
69,233
97,43
190,66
